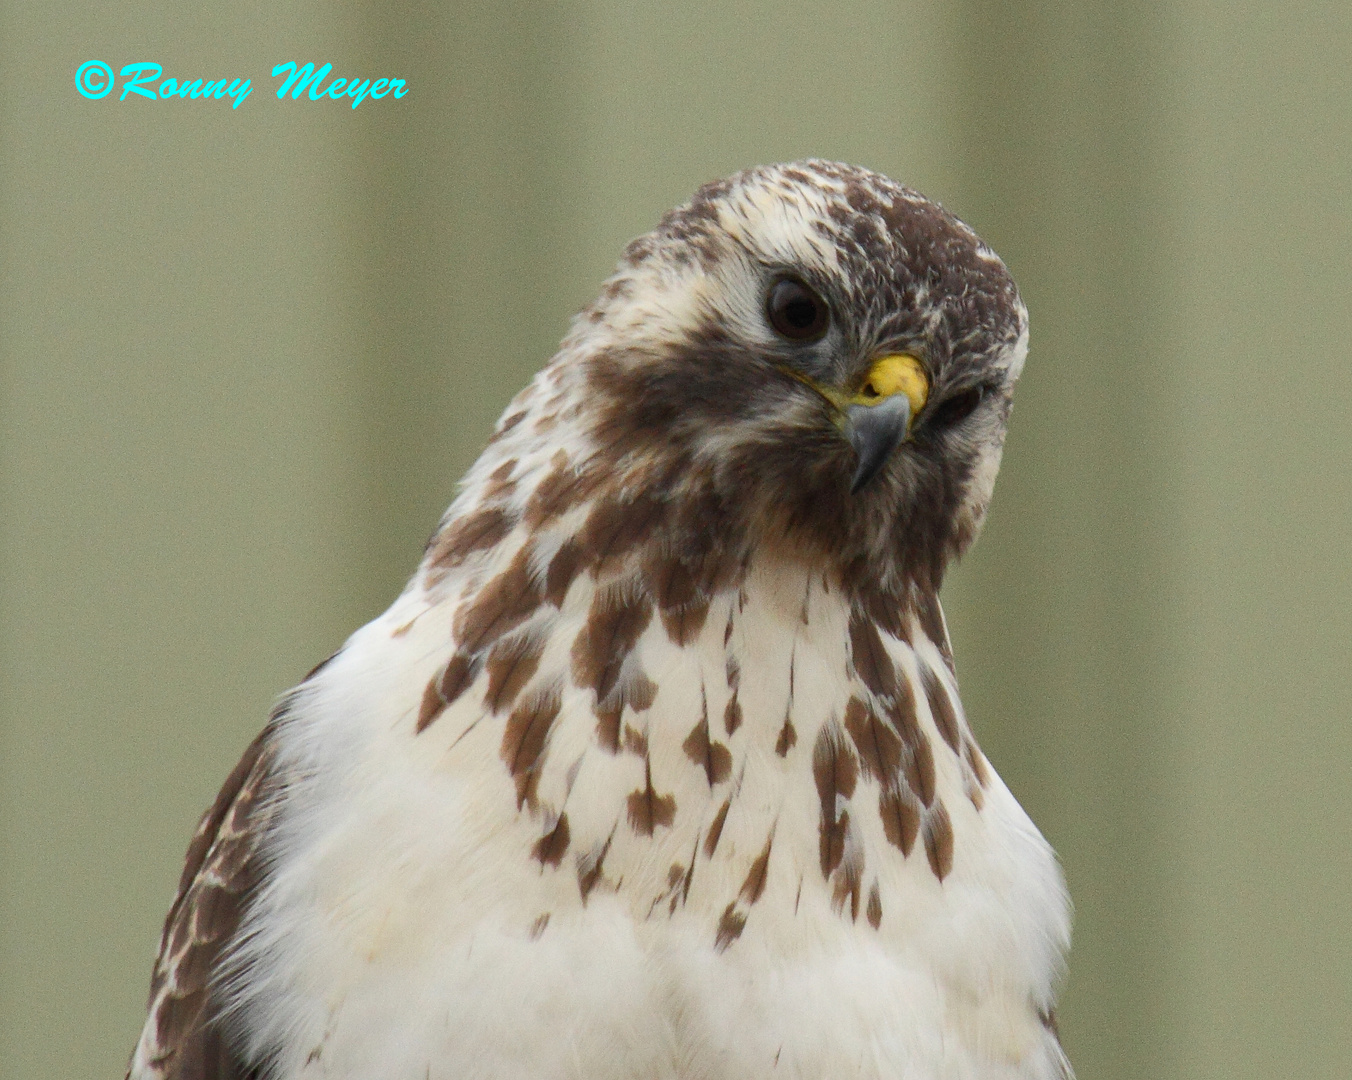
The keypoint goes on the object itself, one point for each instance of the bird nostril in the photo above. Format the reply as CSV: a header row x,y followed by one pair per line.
x,y
870,391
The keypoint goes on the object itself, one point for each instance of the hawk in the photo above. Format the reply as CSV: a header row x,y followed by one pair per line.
x,y
657,769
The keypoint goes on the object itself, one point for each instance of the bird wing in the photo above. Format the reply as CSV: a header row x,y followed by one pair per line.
x,y
182,1038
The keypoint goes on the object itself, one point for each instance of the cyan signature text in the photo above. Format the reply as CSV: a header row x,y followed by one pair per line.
x,y
95,80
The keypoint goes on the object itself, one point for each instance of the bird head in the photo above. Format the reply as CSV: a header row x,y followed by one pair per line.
x,y
820,358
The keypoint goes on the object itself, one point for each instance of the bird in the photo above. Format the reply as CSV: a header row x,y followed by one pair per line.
x,y
658,768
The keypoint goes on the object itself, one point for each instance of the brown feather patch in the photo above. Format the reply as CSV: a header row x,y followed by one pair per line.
x,y
730,927
931,617
901,818
511,663
732,715
835,770
590,867
635,741
617,618
220,873
683,606
638,692
939,841
561,490
444,690
432,705
756,877
878,746
713,757
500,606
941,707
977,760
615,526
871,660
648,809
551,848
849,881
563,568
524,740
477,531
716,829
920,770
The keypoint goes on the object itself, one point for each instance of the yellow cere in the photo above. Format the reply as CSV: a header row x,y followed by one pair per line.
x,y
899,373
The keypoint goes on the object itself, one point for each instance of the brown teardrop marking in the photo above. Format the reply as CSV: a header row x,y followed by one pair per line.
x,y
932,622
733,920
732,712
730,927
849,882
941,707
638,692
835,770
500,481
732,715
878,745
872,662
500,606
678,896
756,877
550,849
511,663
564,488
445,689
788,738
476,531
682,604
432,705
563,568
590,867
647,809
617,618
939,841
524,740
507,424
901,818
919,770
875,907
635,741
977,761
713,757
716,829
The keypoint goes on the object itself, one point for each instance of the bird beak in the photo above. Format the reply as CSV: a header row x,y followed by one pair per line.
x,y
878,417
875,431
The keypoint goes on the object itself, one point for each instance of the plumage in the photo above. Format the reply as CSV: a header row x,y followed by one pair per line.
x,y
658,768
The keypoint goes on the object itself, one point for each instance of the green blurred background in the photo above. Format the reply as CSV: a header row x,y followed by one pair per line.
x,y
246,355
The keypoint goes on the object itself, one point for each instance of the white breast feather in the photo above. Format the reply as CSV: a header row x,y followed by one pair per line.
x,y
401,935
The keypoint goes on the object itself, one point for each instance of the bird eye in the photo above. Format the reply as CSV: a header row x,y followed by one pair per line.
x,y
795,311
956,409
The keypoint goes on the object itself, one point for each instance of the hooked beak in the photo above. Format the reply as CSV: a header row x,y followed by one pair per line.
x,y
878,416
875,431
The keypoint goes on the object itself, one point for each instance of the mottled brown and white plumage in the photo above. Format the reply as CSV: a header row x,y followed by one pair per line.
x,y
657,768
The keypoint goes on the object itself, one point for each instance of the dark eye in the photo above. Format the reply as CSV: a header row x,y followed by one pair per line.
x,y
957,408
795,311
